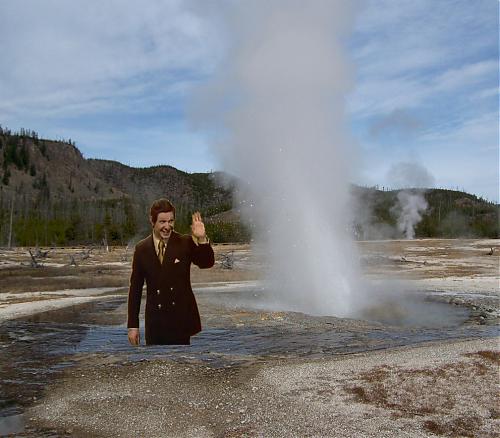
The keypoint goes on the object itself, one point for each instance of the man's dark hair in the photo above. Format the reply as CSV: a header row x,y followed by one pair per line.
x,y
160,206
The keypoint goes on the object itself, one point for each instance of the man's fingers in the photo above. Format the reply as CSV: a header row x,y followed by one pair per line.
x,y
133,337
196,217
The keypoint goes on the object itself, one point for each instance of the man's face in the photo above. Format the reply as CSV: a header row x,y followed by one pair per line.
x,y
164,225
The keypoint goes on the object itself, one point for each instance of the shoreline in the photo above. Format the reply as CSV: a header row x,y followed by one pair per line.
x,y
252,372
45,301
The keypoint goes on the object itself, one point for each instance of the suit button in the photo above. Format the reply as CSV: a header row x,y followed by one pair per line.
x,y
171,288
158,291
173,303
159,306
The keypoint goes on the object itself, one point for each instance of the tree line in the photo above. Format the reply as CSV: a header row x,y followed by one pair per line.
x,y
25,222
41,220
450,213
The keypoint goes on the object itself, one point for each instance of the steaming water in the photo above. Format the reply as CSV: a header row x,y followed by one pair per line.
x,y
278,102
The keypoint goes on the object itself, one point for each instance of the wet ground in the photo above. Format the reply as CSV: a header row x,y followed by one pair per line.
x,y
455,296
238,330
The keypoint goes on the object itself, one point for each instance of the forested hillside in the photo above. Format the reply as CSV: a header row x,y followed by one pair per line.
x,y
449,214
51,195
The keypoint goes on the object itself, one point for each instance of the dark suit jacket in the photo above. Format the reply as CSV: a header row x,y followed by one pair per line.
x,y
171,310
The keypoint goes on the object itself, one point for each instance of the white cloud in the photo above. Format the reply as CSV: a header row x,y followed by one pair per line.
x,y
435,62
461,156
406,52
476,133
486,93
58,53
387,94
457,78
466,156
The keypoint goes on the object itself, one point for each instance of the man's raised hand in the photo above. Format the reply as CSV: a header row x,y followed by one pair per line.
x,y
198,228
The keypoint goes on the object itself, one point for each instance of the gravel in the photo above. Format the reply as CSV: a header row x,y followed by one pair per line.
x,y
313,398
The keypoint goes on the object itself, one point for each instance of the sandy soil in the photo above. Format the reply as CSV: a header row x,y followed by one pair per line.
x,y
447,388
459,267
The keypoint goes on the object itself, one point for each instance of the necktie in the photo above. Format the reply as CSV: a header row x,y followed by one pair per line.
x,y
161,250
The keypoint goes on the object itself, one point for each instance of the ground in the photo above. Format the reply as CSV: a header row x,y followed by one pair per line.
x,y
259,373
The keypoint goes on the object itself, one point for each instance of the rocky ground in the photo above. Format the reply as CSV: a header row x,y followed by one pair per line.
x,y
445,388
448,389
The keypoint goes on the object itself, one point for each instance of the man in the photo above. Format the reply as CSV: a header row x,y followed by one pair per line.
x,y
164,260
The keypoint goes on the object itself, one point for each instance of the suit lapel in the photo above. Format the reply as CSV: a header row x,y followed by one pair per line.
x,y
153,255
152,252
170,250
171,246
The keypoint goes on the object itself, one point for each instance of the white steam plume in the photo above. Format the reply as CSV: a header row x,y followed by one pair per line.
x,y
410,207
409,174
280,99
411,204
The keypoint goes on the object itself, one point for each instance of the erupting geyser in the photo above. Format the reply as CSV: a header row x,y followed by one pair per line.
x,y
280,99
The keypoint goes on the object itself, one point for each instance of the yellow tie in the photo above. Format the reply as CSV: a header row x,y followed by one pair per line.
x,y
161,250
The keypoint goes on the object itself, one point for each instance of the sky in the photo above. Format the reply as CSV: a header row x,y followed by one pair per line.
x,y
118,78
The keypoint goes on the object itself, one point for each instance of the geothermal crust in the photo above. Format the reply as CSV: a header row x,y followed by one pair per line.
x,y
446,387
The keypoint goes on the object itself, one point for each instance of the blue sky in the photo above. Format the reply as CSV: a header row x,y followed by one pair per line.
x,y
118,78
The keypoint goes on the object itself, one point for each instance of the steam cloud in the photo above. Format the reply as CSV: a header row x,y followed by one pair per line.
x,y
410,207
411,203
279,102
409,174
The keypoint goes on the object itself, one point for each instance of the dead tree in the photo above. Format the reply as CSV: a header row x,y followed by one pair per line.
x,y
227,260
34,262
125,256
85,254
72,260
40,253
105,242
10,222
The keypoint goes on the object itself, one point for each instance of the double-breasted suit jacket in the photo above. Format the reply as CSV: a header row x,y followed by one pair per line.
x,y
171,309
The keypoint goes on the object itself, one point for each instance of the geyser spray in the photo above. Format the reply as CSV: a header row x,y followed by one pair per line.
x,y
279,104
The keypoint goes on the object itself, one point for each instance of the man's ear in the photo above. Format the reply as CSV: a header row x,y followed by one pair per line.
x,y
151,221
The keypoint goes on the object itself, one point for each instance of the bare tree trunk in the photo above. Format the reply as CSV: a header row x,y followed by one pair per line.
x,y
105,241
10,225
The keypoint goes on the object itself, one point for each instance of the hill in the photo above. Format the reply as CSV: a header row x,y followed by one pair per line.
x,y
448,214
51,195
58,197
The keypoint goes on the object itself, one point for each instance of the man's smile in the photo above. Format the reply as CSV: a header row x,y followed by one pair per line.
x,y
165,232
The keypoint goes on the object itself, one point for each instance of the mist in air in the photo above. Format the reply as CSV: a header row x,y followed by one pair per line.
x,y
413,179
278,105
